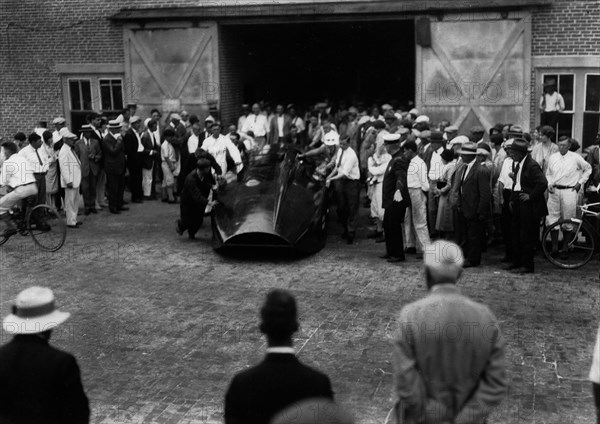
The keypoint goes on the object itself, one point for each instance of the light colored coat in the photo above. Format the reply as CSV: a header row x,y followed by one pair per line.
x,y
70,167
448,360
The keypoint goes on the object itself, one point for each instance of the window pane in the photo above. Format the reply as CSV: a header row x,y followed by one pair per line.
x,y
117,95
592,93
86,94
105,102
74,95
591,127
565,88
565,125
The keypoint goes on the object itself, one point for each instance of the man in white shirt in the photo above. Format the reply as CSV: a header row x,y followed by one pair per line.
x,y
218,145
70,176
243,116
280,126
346,175
257,124
415,220
567,173
36,161
17,175
551,104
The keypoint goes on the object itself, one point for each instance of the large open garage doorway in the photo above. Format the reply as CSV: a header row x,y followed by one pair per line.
x,y
303,63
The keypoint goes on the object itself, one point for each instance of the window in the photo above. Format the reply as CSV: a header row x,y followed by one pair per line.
x,y
88,93
111,94
591,113
565,85
80,95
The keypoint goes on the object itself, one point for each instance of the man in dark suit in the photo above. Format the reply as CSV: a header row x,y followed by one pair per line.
x,y
114,166
89,153
395,199
150,158
38,383
134,153
473,203
433,380
527,204
258,393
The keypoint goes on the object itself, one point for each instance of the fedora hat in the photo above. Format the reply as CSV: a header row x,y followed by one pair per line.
x,y
551,82
469,148
34,311
436,137
520,145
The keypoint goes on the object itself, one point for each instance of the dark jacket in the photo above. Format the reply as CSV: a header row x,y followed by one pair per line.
x,y
475,195
89,165
195,190
192,161
131,148
114,155
257,394
395,179
148,159
40,384
534,183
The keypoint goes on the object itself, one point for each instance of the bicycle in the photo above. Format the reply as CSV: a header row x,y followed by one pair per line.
x,y
42,222
582,243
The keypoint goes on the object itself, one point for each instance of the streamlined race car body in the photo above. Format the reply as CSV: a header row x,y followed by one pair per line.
x,y
278,201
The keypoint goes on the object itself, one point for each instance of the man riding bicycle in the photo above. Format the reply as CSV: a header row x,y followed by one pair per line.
x,y
18,176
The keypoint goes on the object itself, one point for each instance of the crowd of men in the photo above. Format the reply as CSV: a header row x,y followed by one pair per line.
x,y
423,180
433,383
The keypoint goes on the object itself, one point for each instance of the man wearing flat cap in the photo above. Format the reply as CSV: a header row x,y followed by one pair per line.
x,y
395,198
38,383
433,379
256,394
528,206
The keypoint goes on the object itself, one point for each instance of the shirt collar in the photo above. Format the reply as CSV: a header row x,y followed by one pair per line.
x,y
281,349
444,286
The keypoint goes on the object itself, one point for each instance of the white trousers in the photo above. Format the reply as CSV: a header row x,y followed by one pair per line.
x,y
71,205
415,221
562,204
19,193
147,181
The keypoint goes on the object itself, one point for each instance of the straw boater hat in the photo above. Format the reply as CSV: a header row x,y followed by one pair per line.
x,y
34,312
460,139
114,124
331,139
451,129
469,148
391,138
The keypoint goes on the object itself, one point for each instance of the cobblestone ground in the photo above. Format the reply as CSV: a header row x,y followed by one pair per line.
x,y
160,324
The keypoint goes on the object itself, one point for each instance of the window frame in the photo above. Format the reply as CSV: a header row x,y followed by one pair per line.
x,y
585,86
571,112
69,79
103,78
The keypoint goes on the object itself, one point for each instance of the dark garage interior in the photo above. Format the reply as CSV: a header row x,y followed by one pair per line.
x,y
307,62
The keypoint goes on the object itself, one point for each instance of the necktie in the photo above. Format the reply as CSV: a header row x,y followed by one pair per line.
x,y
340,159
38,156
516,168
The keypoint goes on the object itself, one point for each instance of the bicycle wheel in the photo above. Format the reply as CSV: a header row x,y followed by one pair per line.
x,y
47,227
580,244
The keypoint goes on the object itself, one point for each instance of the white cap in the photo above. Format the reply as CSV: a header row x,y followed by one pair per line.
x,y
134,119
459,139
331,139
422,118
59,120
414,111
65,133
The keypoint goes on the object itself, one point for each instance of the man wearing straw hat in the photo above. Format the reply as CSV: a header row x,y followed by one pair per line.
x,y
38,383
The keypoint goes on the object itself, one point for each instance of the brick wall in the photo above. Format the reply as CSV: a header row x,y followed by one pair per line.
x,y
35,35
568,28
231,95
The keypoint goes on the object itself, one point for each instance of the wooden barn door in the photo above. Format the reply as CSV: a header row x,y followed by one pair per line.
x,y
172,67
476,70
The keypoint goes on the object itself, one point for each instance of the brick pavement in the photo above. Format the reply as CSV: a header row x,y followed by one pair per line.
x,y
160,323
